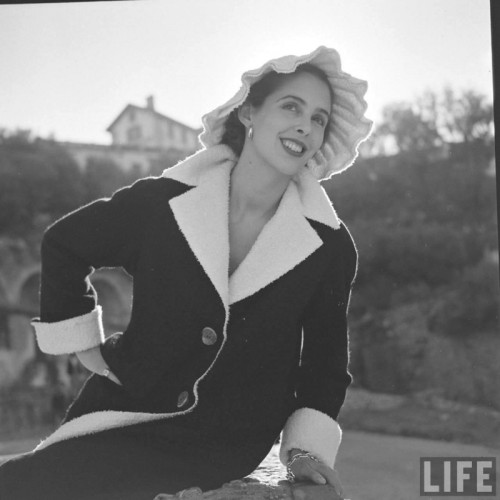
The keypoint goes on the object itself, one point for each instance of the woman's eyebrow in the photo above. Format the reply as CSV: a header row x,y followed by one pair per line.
x,y
297,98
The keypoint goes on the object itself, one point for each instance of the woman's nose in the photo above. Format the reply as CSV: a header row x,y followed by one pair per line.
x,y
303,127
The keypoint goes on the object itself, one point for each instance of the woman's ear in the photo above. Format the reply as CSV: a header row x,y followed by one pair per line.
x,y
245,114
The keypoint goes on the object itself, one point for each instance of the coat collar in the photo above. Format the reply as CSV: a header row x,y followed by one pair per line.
x,y
285,241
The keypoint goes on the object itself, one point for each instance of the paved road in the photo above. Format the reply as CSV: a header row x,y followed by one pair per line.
x,y
376,467
371,466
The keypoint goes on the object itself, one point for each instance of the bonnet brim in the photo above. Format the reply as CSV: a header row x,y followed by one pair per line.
x,y
349,127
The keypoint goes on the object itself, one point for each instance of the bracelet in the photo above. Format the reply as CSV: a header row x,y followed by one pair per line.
x,y
290,476
106,372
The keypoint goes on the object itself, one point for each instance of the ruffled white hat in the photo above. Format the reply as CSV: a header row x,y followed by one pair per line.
x,y
349,127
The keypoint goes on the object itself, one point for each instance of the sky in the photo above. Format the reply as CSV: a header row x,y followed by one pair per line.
x,y
68,69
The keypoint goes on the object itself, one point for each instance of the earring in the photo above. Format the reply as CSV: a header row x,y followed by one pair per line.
x,y
250,131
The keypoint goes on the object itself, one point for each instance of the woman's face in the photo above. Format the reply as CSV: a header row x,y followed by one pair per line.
x,y
289,126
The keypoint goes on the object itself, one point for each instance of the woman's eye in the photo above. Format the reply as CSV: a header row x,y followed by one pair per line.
x,y
320,120
291,106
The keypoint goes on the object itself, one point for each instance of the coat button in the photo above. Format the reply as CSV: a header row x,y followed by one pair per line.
x,y
208,336
182,399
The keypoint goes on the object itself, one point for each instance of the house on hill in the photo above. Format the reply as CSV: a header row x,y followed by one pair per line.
x,y
141,138
146,127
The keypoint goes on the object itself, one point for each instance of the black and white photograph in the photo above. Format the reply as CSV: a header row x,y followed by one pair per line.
x,y
248,250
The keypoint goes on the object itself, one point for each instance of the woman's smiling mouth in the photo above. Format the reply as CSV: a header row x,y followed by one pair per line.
x,y
293,147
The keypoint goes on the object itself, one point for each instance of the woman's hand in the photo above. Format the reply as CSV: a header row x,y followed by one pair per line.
x,y
308,470
92,360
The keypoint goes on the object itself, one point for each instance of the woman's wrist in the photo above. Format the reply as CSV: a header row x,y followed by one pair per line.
x,y
294,455
293,452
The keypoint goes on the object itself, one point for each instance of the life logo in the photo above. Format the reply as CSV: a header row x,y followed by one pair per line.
x,y
458,476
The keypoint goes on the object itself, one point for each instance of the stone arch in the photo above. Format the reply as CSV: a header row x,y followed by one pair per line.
x,y
22,277
22,334
28,296
20,347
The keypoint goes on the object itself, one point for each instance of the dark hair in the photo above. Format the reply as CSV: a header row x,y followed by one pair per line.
x,y
235,131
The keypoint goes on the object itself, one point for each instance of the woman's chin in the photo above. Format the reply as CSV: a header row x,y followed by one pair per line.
x,y
291,168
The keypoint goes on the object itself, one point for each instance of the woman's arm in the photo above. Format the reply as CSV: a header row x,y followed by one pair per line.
x,y
323,374
105,233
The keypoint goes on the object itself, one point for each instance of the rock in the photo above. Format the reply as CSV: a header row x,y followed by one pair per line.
x,y
249,489
266,483
245,488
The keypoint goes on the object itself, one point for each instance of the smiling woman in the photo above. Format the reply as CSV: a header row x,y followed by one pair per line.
x,y
290,122
242,278
234,130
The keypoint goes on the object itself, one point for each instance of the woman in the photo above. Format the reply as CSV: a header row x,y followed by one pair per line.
x,y
242,275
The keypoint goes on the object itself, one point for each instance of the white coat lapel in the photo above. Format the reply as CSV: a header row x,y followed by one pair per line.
x,y
202,212
285,241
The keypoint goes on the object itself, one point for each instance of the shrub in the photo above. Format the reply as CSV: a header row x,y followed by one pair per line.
x,y
471,306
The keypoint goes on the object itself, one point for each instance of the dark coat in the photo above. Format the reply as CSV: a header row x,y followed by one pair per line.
x,y
170,234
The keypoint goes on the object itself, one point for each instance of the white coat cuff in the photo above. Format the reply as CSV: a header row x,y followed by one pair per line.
x,y
71,335
313,431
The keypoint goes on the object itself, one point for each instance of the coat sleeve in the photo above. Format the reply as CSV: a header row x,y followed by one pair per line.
x,y
323,374
104,233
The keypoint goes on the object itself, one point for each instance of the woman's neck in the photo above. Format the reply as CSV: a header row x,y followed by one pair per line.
x,y
255,189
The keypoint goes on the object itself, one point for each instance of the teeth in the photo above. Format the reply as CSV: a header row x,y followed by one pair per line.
x,y
293,146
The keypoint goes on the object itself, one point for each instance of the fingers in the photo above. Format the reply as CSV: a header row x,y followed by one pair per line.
x,y
318,473
309,470
318,478
114,378
338,485
110,375
332,477
320,158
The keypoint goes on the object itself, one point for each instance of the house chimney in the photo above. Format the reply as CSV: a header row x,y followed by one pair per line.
x,y
150,102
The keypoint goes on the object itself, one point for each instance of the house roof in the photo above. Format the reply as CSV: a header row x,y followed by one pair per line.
x,y
115,147
149,110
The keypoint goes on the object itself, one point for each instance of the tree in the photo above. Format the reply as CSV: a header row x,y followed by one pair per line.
x,y
433,120
37,178
425,214
465,118
102,178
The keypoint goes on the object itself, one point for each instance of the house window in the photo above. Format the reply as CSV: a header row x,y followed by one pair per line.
x,y
131,115
134,134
